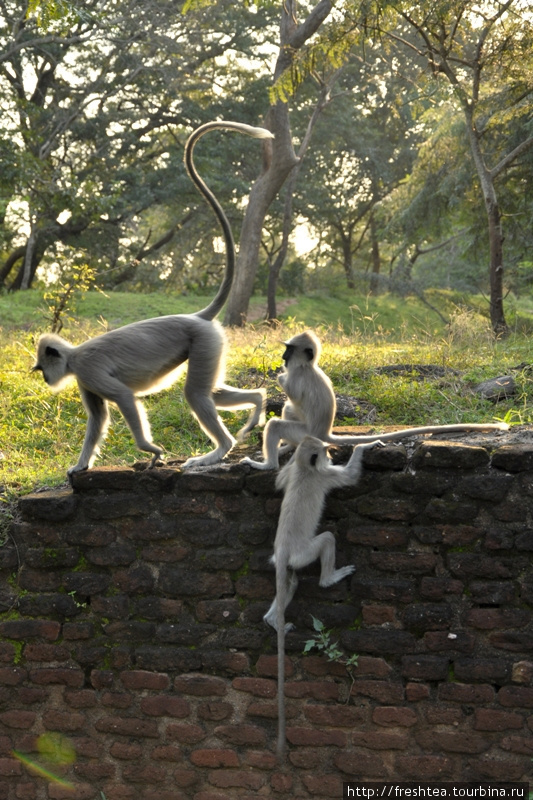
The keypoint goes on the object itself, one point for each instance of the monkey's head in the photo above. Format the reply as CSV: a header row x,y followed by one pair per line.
x,y
302,349
52,360
311,453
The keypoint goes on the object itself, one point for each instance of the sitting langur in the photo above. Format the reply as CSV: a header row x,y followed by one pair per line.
x,y
145,357
305,482
311,405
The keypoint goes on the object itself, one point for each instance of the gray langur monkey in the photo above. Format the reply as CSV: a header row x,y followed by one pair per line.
x,y
310,408
145,357
305,482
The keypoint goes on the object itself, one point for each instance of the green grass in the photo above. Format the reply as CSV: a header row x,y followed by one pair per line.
x,y
41,432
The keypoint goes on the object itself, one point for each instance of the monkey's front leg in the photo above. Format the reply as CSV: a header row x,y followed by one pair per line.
x,y
277,429
97,422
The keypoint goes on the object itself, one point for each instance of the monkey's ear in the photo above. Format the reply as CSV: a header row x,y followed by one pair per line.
x,y
51,351
313,459
309,352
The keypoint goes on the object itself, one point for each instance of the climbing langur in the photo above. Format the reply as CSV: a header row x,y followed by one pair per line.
x,y
305,482
145,357
310,408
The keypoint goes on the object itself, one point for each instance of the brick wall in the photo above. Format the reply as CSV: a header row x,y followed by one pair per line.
x,y
132,642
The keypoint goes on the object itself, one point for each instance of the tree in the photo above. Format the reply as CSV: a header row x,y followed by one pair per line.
x,y
484,52
280,157
96,107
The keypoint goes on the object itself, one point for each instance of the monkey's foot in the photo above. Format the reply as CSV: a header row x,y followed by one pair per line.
x,y
336,576
264,465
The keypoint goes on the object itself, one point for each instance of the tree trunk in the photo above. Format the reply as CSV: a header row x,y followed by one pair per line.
x,y
278,163
497,314
376,258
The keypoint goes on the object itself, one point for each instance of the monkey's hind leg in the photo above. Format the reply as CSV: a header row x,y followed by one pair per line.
x,y
324,547
270,617
233,399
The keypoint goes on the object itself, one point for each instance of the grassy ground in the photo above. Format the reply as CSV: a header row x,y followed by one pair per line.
x,y
41,433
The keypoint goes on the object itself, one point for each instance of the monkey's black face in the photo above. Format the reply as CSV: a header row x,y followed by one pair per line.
x,y
289,350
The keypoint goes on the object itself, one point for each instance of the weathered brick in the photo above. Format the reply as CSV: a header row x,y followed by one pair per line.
x,y
126,751
495,769
421,617
25,629
165,706
282,783
380,740
513,458
318,690
144,774
128,726
167,753
382,641
12,676
55,720
482,669
117,699
513,641
488,719
378,536
359,764
430,668
214,758
456,742
95,772
21,720
200,685
236,735
267,666
394,716
219,612
214,711
449,455
516,697
260,687
233,778
522,672
518,744
387,692
310,737
411,563
323,785
335,716
186,734
142,679
466,693
494,593
424,767
378,615
447,641
10,768
490,618
54,506
415,692
67,677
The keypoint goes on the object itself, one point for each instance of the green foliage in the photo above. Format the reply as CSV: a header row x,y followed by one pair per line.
x,y
324,644
61,298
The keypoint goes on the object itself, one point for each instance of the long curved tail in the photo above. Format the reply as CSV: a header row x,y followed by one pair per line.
x,y
463,427
281,590
216,304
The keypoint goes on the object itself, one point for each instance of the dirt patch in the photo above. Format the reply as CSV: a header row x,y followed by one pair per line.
x,y
257,313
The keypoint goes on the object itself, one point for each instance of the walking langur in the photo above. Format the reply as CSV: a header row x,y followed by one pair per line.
x,y
305,482
311,406
145,357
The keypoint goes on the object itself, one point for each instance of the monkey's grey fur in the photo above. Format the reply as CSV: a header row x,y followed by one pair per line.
x,y
145,357
310,407
305,481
